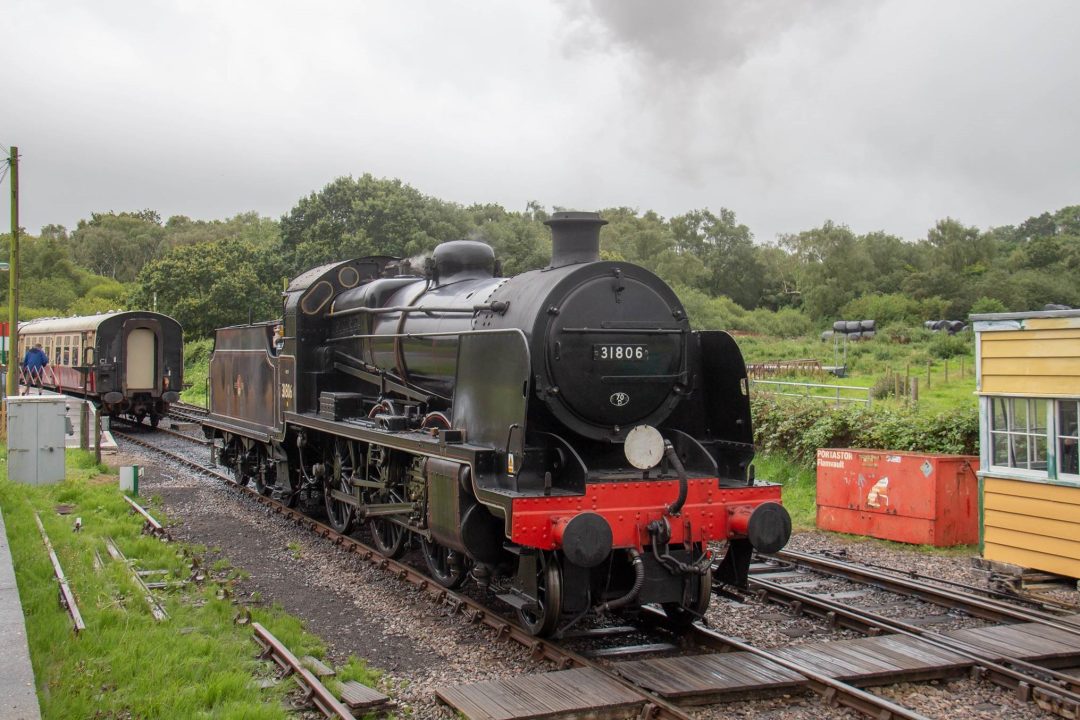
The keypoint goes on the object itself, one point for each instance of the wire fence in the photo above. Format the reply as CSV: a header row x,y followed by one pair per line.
x,y
837,394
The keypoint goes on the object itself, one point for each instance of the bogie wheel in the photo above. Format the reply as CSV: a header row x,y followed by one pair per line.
x,y
387,536
264,480
154,420
448,567
237,464
543,620
679,616
341,515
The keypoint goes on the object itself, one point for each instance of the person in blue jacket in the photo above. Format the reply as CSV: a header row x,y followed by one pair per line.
x,y
34,363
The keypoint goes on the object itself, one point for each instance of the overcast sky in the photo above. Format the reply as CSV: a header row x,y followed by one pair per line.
x,y
880,115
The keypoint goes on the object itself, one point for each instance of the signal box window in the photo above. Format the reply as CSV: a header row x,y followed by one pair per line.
x,y
1018,433
1068,437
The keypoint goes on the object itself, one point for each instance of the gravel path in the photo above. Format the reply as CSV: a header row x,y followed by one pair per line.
x,y
361,611
356,609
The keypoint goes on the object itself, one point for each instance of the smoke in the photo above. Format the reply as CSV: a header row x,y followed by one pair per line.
x,y
702,74
697,37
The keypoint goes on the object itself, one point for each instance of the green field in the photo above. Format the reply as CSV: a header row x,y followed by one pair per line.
x,y
942,365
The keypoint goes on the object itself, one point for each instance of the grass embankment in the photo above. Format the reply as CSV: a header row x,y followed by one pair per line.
x,y
196,664
196,370
799,493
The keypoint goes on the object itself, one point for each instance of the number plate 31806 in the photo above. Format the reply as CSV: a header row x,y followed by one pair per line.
x,y
620,352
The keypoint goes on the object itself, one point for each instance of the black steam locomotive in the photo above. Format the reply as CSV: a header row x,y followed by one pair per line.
x,y
561,437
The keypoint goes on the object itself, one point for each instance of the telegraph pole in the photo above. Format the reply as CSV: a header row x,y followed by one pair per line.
x,y
13,279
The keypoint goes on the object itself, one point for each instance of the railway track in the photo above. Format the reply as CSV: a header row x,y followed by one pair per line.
x,y
569,654
597,650
1006,653
186,412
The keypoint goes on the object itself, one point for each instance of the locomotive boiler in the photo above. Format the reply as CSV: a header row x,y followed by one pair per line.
x,y
561,437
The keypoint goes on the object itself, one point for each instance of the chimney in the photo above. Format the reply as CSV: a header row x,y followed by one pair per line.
x,y
575,237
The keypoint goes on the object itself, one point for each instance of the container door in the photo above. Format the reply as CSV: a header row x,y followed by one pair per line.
x,y
140,358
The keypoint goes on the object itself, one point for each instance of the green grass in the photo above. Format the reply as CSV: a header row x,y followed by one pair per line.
x,y
196,664
951,381
799,493
196,370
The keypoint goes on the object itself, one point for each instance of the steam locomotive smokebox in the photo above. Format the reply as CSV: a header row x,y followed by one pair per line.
x,y
903,496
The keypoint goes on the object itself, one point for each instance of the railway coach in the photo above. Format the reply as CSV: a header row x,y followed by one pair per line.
x,y
131,363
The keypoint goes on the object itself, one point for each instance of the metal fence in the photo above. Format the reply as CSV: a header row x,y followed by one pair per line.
x,y
817,391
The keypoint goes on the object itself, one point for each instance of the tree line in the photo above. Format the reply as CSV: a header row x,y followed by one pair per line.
x,y
208,274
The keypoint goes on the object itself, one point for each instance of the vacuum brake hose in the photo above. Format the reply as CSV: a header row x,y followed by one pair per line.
x,y
669,452
639,582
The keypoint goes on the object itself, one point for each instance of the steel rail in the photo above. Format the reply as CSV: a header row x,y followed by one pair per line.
x,y
985,608
150,526
156,609
1059,694
1027,598
472,610
67,598
167,431
314,690
831,689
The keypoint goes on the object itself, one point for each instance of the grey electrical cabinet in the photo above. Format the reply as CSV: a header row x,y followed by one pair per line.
x,y
37,426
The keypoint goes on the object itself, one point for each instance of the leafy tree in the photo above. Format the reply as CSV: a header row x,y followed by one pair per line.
x,y
117,245
894,309
726,248
959,247
367,216
520,240
988,305
209,285
648,241
831,267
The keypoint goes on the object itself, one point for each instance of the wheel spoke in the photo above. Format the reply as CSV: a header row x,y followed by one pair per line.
x,y
447,567
544,619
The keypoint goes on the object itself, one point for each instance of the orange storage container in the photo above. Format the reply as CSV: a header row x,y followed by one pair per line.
x,y
903,496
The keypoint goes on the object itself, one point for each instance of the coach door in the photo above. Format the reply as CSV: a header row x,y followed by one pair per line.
x,y
140,358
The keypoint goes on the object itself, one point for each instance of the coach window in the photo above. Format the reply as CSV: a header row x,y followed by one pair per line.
x,y
65,359
1018,433
56,360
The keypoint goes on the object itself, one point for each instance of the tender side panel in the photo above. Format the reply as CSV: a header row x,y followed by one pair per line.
x,y
243,380
1033,525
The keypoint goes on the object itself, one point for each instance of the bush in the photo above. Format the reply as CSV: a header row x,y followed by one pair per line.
x,y
988,305
946,346
785,323
797,428
892,309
